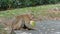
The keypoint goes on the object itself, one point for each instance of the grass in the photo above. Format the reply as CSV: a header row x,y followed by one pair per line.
x,y
38,10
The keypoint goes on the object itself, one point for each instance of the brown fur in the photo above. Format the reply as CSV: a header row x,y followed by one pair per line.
x,y
16,22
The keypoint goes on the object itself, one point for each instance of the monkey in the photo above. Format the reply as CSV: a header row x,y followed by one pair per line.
x,y
20,22
23,21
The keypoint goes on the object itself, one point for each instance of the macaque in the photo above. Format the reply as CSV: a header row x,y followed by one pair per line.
x,y
23,21
20,22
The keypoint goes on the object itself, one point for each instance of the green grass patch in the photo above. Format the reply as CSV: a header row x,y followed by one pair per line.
x,y
38,10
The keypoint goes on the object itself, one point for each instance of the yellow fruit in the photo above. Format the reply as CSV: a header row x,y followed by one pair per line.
x,y
32,23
